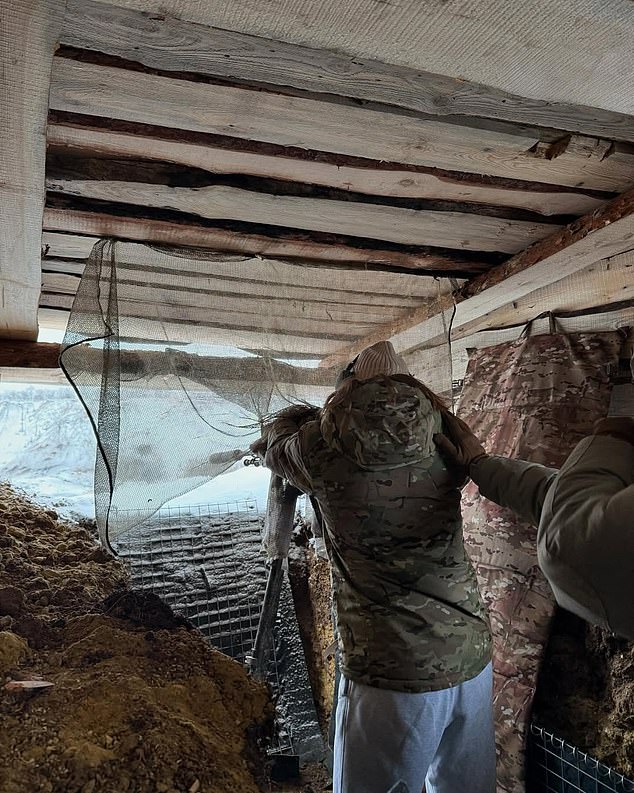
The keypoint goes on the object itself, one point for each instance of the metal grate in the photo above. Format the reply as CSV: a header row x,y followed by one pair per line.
x,y
205,562
555,766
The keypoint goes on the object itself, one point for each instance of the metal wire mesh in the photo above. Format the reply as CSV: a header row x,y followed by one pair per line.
x,y
205,562
555,766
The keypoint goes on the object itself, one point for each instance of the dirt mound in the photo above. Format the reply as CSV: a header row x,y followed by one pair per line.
x,y
585,692
139,703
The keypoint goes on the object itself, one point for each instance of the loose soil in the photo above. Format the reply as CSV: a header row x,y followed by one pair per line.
x,y
585,692
312,594
139,703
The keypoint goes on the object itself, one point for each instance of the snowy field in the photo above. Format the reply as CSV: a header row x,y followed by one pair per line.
x,y
47,449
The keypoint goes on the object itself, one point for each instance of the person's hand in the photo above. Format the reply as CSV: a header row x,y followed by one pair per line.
x,y
616,427
259,447
460,446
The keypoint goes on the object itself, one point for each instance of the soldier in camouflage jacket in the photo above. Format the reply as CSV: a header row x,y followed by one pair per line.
x,y
415,641
584,511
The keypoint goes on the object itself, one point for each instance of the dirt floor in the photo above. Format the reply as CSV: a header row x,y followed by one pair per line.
x,y
139,702
585,692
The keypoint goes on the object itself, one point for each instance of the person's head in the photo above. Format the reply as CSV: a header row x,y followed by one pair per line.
x,y
378,359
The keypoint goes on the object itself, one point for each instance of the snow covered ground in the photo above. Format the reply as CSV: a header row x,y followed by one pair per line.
x,y
47,448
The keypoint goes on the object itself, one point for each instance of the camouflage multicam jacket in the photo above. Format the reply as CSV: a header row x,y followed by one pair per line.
x,y
409,615
585,541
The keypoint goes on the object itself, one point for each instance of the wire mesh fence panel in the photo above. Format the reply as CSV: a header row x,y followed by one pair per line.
x,y
206,563
555,766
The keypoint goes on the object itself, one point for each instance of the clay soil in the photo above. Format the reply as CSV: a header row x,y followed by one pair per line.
x,y
585,692
139,702
310,582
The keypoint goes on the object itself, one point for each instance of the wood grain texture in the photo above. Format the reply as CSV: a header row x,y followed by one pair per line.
x,y
170,233
607,232
177,332
369,221
333,289
203,289
29,33
186,292
373,179
197,368
173,45
149,306
28,354
97,90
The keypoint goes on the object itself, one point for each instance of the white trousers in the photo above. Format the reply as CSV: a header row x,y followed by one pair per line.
x,y
394,742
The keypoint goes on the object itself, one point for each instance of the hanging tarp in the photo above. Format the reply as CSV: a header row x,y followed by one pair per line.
x,y
532,399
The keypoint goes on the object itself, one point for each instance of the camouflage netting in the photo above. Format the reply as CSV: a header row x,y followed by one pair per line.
x,y
532,399
177,354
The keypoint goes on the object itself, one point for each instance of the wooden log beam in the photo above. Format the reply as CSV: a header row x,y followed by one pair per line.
x,y
297,302
357,175
171,233
258,279
29,33
211,316
606,232
169,44
460,230
177,332
28,354
136,363
97,90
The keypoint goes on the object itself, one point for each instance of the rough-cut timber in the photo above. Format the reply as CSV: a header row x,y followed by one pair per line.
x,y
28,35
172,45
459,229
606,232
197,368
325,170
620,207
97,90
170,233
28,354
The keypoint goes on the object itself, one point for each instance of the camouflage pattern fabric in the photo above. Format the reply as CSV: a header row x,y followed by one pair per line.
x,y
409,616
532,399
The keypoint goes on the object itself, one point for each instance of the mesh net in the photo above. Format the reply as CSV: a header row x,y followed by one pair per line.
x,y
178,354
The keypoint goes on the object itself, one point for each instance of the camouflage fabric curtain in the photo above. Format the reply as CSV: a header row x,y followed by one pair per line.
x,y
532,399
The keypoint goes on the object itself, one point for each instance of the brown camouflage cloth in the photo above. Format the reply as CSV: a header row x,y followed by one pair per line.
x,y
408,611
531,399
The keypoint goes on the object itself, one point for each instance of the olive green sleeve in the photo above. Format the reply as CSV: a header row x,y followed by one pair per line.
x,y
586,535
515,484
285,454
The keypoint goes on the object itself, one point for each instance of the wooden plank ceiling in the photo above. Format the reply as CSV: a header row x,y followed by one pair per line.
x,y
346,188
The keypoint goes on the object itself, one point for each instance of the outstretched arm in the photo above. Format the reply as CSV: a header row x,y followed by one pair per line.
x,y
515,484
586,535
282,445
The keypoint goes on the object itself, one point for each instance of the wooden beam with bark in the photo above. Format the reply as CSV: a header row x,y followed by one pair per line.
x,y
177,332
516,153
136,363
448,229
607,232
344,173
198,290
172,45
29,33
138,229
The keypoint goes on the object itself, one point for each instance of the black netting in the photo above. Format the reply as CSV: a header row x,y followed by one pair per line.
x,y
177,355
